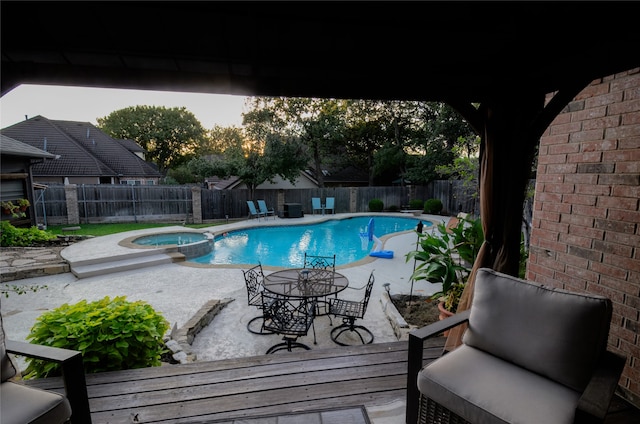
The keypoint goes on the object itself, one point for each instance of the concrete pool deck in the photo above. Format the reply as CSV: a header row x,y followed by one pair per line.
x,y
179,290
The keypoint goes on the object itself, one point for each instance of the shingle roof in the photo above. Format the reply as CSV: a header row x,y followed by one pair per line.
x,y
84,150
10,146
131,145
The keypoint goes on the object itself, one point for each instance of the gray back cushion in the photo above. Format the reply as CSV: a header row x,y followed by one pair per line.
x,y
553,332
7,369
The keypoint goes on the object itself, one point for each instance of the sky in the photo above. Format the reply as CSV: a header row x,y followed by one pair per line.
x,y
87,104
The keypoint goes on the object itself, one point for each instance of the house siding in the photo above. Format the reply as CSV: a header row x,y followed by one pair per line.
x,y
586,218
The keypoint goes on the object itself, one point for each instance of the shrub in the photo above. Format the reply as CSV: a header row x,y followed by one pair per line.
x,y
433,206
393,208
416,204
376,205
12,236
111,334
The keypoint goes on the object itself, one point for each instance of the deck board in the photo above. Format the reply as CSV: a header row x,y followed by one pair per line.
x,y
251,387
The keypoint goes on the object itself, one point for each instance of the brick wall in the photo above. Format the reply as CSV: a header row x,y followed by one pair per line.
x,y
586,219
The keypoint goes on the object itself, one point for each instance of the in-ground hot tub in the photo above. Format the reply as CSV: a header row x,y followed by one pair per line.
x,y
190,244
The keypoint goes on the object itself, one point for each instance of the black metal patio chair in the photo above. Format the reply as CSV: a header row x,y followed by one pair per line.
x,y
254,280
321,262
291,317
350,311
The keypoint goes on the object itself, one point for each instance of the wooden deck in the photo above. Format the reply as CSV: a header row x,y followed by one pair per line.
x,y
253,386
282,383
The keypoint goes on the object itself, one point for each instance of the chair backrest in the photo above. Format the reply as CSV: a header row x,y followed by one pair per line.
x,y
319,262
262,205
254,279
315,203
287,315
252,207
367,293
556,333
329,203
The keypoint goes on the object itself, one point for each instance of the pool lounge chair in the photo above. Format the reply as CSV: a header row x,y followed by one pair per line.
x,y
262,206
316,205
253,212
329,204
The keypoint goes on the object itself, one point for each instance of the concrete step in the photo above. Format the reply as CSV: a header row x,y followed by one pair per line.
x,y
102,266
137,253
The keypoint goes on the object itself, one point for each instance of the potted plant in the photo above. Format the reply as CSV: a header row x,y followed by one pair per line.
x,y
8,207
15,210
446,257
23,204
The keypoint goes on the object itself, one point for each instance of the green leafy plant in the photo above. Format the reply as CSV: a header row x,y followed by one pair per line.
x,y
446,256
12,236
433,206
112,334
376,205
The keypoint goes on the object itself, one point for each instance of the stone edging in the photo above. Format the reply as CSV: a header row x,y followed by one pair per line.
x,y
400,327
180,339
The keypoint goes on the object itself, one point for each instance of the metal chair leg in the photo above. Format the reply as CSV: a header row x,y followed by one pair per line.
x,y
251,326
288,344
352,328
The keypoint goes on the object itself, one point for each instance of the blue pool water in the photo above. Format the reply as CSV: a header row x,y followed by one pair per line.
x,y
284,246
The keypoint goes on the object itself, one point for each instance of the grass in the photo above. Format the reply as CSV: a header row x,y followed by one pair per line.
x,y
106,229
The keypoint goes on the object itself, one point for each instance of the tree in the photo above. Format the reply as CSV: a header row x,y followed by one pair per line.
x,y
318,124
433,142
219,139
169,135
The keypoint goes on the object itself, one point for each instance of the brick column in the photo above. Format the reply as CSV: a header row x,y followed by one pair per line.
x,y
353,200
71,196
196,204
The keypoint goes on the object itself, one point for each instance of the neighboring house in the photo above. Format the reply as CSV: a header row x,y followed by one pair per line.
x,y
86,154
134,148
348,177
16,181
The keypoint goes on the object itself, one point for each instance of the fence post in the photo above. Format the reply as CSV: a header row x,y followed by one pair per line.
x,y
71,197
196,204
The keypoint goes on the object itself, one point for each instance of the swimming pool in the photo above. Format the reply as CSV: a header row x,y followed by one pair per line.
x,y
284,246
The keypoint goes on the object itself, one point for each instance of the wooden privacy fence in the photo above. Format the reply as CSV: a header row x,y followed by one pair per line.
x,y
102,203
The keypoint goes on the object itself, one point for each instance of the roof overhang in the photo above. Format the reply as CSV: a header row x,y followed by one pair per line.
x,y
435,51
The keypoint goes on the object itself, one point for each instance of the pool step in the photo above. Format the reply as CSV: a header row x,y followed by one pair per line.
x,y
126,262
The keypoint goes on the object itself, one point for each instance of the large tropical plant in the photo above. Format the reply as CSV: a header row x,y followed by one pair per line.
x,y
446,256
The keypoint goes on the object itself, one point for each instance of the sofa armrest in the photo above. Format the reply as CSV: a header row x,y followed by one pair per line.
x,y
414,361
594,402
73,375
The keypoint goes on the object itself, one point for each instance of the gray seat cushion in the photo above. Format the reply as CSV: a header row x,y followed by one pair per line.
x,y
29,405
484,389
559,334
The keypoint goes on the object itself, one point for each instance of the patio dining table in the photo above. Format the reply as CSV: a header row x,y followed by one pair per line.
x,y
305,282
